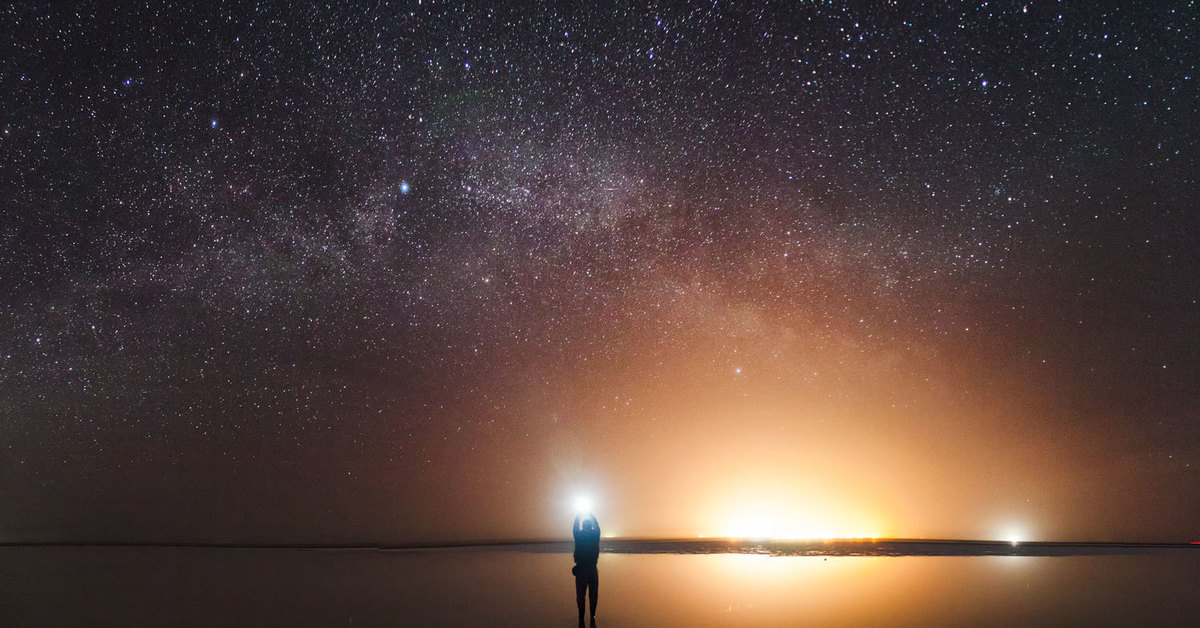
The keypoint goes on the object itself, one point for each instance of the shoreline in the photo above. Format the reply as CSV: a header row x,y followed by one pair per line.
x,y
708,545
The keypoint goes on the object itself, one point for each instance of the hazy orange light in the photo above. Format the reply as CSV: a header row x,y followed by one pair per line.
x,y
798,517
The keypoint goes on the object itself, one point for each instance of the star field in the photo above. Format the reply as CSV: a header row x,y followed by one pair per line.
x,y
347,272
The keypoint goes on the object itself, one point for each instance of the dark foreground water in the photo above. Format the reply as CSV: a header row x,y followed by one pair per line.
x,y
532,586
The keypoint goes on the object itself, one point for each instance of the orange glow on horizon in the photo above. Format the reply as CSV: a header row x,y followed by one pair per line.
x,y
789,522
774,463
792,506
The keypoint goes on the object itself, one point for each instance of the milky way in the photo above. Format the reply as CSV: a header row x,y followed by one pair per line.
x,y
328,274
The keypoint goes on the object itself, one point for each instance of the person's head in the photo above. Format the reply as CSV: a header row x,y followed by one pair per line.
x,y
588,524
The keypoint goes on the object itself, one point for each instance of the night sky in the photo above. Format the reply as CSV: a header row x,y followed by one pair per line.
x,y
426,271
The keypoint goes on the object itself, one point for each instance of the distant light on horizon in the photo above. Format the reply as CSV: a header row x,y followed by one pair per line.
x,y
795,511
1014,535
765,528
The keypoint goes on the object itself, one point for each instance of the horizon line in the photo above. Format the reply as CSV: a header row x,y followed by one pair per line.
x,y
483,543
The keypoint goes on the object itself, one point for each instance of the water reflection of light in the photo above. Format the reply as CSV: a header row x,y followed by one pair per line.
x,y
1017,561
760,573
760,590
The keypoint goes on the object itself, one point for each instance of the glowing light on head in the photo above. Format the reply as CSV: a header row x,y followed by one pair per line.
x,y
583,504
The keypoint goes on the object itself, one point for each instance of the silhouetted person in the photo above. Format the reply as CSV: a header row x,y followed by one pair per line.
x,y
587,552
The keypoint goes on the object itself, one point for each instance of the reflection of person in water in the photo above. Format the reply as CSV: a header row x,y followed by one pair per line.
x,y
587,552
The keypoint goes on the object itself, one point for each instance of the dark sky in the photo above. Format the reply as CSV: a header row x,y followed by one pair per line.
x,y
425,271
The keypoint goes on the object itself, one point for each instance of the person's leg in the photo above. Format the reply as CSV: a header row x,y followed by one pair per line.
x,y
594,588
581,584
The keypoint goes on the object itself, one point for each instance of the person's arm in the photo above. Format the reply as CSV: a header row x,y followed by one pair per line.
x,y
596,525
575,526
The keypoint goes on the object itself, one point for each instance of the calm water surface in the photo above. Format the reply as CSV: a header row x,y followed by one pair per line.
x,y
237,587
